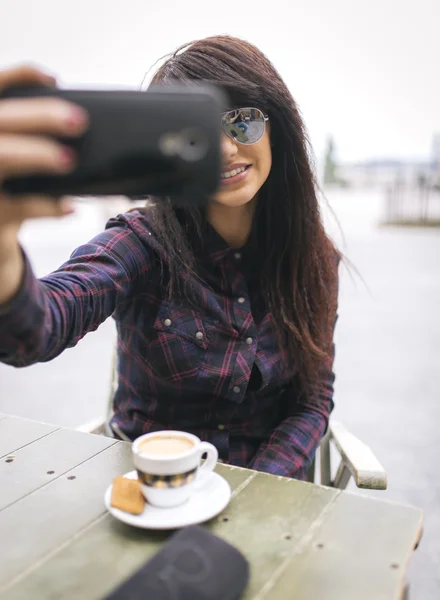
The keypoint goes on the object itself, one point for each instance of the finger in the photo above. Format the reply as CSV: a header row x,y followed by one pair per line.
x,y
24,74
23,155
20,208
42,115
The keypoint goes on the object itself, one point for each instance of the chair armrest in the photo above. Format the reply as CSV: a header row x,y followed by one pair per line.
x,y
358,458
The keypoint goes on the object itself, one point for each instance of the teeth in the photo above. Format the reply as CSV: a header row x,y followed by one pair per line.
x,y
228,174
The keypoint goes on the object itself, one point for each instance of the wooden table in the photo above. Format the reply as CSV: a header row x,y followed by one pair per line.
x,y
303,541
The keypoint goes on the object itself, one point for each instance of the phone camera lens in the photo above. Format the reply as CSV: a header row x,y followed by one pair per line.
x,y
194,145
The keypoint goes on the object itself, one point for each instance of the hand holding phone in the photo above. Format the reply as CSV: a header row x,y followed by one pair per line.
x,y
28,145
163,142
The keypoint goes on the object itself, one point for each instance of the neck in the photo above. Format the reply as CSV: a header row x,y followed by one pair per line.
x,y
233,223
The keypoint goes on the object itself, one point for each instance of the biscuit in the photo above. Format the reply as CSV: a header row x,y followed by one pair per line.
x,y
127,495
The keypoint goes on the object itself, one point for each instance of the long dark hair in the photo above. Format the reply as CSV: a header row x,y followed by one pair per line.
x,y
299,262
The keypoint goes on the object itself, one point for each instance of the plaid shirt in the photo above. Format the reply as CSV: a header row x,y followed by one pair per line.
x,y
215,371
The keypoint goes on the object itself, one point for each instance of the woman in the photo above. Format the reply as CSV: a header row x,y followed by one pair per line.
x,y
225,316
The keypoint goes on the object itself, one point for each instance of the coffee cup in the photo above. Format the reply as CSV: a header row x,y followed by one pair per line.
x,y
169,465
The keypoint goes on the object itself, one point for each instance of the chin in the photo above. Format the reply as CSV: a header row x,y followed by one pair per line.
x,y
233,199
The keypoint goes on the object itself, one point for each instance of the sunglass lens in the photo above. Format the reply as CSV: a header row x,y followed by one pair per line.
x,y
244,125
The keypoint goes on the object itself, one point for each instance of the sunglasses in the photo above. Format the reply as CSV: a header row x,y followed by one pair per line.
x,y
244,125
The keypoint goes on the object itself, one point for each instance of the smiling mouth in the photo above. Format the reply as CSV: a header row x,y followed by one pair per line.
x,y
234,172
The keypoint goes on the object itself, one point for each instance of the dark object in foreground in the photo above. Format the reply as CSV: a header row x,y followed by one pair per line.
x,y
193,565
163,142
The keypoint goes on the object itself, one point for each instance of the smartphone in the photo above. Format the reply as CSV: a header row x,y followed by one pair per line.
x,y
162,142
193,564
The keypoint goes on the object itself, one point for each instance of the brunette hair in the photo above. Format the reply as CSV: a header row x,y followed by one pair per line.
x,y
299,262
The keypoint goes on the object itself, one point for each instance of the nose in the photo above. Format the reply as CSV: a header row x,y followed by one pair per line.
x,y
228,148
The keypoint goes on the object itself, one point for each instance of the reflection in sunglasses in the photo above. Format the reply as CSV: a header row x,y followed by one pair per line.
x,y
237,132
244,125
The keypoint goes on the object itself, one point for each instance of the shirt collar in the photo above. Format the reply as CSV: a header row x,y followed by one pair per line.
x,y
215,249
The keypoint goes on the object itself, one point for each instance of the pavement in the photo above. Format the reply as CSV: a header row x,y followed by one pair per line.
x,y
387,353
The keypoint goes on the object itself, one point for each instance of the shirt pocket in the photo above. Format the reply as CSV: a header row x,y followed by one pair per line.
x,y
181,343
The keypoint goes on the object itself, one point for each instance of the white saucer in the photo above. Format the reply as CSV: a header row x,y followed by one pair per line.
x,y
208,500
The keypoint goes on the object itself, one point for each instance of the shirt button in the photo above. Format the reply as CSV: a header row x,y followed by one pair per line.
x,y
167,322
241,300
249,341
199,335
237,255
221,427
236,389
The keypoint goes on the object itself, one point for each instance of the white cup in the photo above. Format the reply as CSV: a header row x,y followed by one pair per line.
x,y
168,479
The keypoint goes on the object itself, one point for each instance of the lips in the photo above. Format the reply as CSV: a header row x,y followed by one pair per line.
x,y
235,174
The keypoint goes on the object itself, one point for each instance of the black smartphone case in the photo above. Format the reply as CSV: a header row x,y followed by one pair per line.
x,y
193,565
164,142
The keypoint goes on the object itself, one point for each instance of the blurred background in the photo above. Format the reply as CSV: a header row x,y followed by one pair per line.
x,y
365,74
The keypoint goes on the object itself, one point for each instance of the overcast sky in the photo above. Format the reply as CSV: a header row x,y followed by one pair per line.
x,y
366,71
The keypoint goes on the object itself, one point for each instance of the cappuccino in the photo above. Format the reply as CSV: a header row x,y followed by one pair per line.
x,y
164,445
168,463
